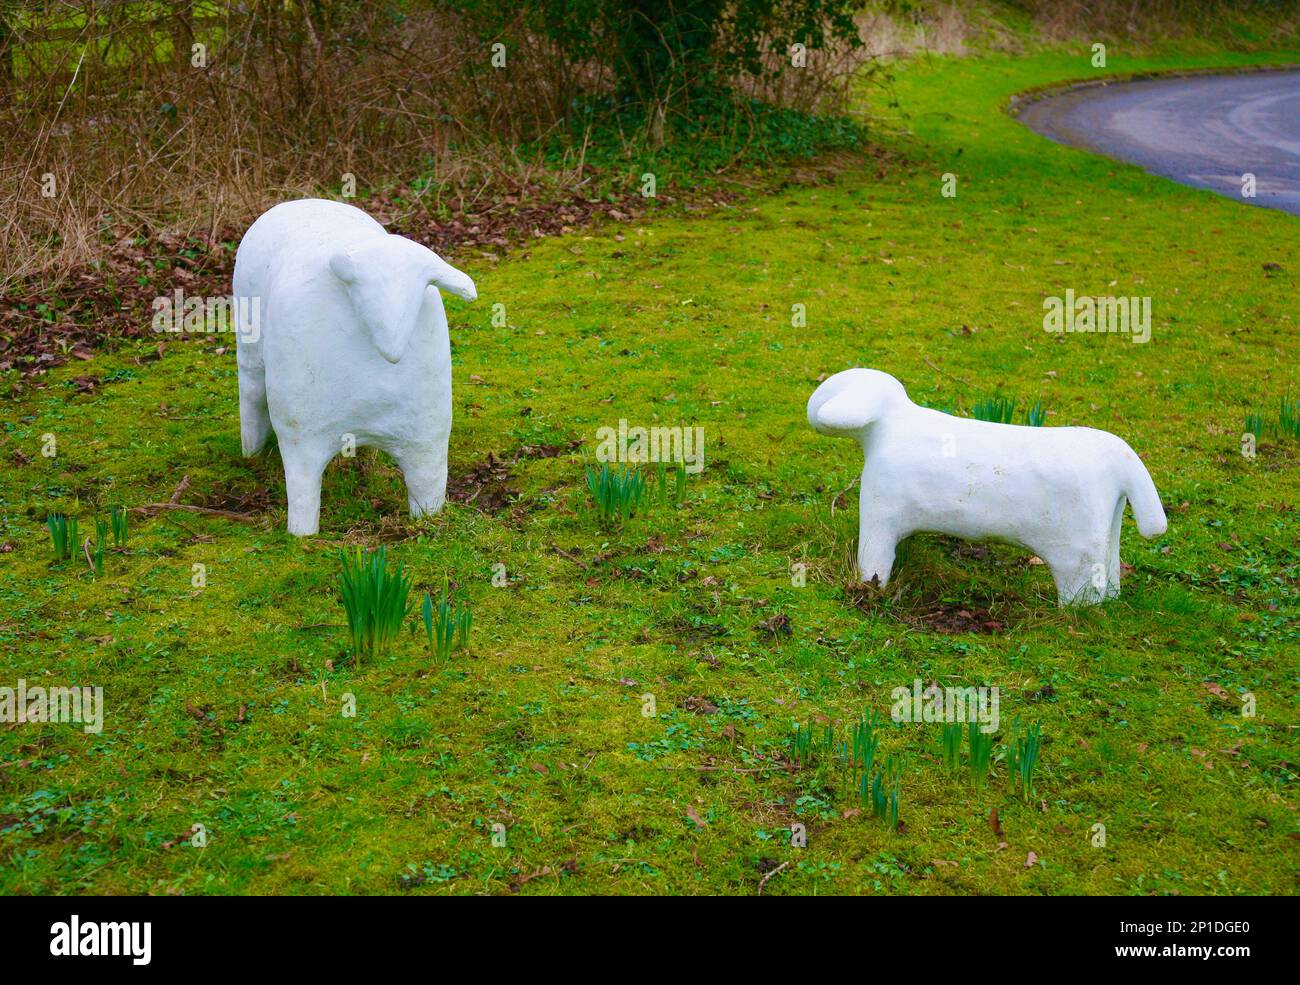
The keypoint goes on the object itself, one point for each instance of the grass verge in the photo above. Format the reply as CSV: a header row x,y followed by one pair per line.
x,y
225,702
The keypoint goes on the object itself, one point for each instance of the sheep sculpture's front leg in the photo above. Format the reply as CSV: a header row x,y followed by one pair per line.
x,y
424,468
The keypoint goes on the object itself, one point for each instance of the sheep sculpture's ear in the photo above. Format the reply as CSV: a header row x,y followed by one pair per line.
x,y
848,411
342,266
444,276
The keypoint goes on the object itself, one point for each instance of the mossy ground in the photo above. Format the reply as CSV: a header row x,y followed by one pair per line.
x,y
540,726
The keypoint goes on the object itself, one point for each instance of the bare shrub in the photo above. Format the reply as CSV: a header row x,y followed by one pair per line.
x,y
140,132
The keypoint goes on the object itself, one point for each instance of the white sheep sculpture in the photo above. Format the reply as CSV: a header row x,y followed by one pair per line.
x,y
1059,492
350,347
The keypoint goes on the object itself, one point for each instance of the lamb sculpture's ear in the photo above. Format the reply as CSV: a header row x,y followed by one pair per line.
x,y
343,268
848,411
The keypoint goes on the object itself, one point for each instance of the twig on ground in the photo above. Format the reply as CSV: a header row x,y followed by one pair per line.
x,y
842,492
726,769
763,882
148,508
570,557
946,373
175,504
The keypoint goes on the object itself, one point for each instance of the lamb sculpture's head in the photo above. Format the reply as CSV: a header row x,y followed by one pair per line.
x,y
850,401
387,278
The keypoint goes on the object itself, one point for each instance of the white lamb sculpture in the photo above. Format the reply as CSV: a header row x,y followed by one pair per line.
x,y
349,347
1060,492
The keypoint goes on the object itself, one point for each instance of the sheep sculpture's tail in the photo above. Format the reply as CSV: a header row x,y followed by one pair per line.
x,y
1142,496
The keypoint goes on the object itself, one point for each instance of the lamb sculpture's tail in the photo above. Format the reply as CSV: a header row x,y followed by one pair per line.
x,y
1142,496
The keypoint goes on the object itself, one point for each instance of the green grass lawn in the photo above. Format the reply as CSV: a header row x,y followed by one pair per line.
x,y
223,703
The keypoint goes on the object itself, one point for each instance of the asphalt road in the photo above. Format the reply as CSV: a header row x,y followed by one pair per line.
x,y
1204,131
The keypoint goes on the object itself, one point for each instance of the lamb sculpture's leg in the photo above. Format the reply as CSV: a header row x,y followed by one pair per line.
x,y
1081,576
876,548
1113,569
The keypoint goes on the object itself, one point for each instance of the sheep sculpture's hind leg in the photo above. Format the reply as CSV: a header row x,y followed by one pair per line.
x,y
254,416
304,465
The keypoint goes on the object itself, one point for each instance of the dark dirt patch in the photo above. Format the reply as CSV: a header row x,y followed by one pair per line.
x,y
486,485
964,550
700,706
775,626
46,324
954,618
544,451
931,615
682,629
254,500
506,222
637,833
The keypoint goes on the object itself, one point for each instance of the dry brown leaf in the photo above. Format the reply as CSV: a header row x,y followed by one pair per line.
x,y
996,824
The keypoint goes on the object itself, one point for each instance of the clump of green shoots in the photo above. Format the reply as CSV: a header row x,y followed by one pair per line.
x,y
63,534
981,753
856,753
446,625
376,601
617,494
981,750
1002,410
852,755
802,751
882,791
1258,422
117,519
1288,417
998,409
865,741
96,555
950,745
804,748
1022,757
661,493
